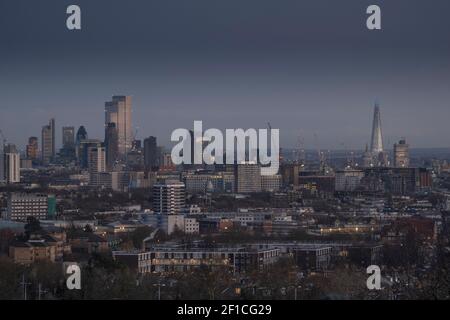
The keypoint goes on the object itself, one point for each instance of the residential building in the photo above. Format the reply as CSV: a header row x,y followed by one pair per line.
x,y
172,259
32,251
169,198
11,164
23,205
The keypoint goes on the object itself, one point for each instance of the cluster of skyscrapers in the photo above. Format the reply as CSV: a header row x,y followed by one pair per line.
x,y
119,160
115,153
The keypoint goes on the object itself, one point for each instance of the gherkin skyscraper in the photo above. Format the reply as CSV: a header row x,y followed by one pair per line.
x,y
376,143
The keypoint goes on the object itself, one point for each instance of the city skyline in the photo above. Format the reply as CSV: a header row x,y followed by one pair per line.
x,y
373,128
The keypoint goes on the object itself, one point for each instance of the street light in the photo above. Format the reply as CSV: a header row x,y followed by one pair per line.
x,y
295,292
159,285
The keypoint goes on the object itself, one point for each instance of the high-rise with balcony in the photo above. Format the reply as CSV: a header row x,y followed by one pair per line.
x,y
169,198
11,164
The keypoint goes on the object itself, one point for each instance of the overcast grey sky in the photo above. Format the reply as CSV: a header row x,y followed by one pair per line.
x,y
307,66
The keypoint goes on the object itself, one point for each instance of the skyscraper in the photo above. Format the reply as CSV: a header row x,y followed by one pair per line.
x,y
111,145
48,142
401,154
376,143
150,153
68,137
118,111
97,159
81,135
32,148
68,152
83,151
379,157
169,198
98,177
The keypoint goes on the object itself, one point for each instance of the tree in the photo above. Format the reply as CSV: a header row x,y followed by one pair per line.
x,y
138,235
6,237
10,277
275,281
342,284
49,276
205,283
102,284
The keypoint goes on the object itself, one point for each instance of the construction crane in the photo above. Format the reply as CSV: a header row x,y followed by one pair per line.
x,y
321,154
2,150
135,133
301,155
316,142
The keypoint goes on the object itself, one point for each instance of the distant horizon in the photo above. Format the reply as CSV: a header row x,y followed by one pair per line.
x,y
388,143
58,136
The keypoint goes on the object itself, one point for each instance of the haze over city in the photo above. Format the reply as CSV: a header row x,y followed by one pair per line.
x,y
310,68
328,177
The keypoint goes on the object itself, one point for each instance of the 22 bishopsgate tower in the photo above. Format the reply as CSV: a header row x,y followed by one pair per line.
x,y
118,111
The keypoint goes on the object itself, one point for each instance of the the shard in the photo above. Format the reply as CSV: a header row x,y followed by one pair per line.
x,y
376,143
